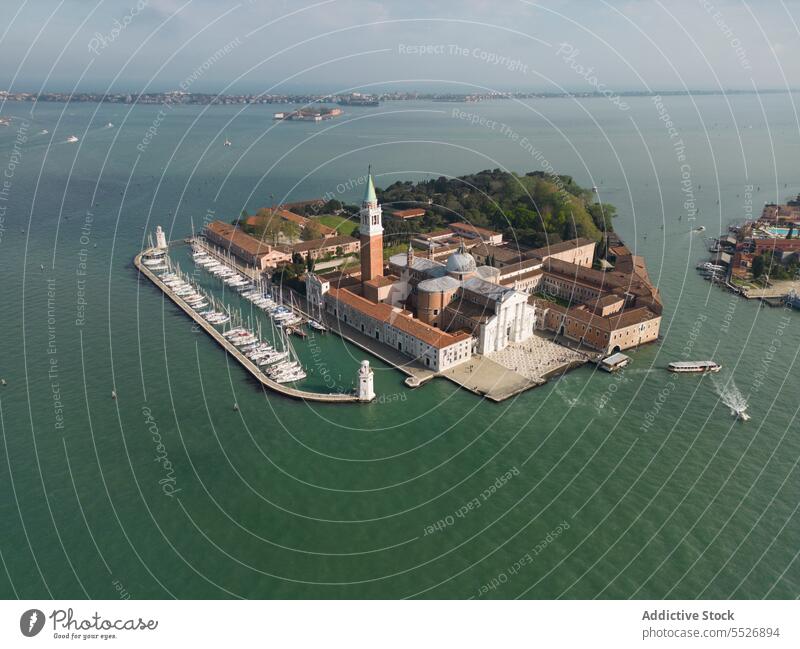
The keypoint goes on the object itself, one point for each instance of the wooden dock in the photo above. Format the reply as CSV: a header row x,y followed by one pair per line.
x,y
249,365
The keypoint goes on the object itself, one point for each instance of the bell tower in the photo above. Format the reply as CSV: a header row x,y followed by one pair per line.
x,y
371,231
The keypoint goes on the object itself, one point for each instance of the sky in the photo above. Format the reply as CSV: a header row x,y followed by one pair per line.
x,y
275,46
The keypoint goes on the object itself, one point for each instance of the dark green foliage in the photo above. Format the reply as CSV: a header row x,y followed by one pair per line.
x,y
535,209
770,264
758,266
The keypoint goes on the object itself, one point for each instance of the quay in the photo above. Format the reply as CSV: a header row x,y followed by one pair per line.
x,y
233,351
417,375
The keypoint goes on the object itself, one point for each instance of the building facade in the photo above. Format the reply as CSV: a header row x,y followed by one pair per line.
x,y
245,248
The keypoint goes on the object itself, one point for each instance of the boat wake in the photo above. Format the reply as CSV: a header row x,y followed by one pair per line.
x,y
732,397
569,401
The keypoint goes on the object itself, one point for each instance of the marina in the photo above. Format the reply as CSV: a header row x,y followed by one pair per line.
x,y
273,367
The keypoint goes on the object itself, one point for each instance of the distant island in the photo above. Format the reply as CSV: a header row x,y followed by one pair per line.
x,y
759,258
346,99
317,114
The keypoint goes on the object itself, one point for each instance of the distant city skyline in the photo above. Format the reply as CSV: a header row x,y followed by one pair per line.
x,y
341,45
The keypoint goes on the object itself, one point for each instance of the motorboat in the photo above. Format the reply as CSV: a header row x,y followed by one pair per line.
x,y
740,413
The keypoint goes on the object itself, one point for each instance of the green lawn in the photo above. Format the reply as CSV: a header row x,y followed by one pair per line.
x,y
342,225
395,249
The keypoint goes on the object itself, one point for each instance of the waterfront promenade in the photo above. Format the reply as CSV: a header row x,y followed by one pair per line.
x,y
233,351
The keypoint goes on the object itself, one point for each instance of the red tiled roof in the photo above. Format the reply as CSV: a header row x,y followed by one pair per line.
x,y
381,280
556,248
764,245
435,234
474,229
408,214
620,320
401,320
238,238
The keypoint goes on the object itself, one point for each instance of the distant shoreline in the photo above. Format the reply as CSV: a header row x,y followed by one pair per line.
x,y
175,97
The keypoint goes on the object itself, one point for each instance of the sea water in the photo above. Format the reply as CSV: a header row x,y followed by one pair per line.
x,y
639,484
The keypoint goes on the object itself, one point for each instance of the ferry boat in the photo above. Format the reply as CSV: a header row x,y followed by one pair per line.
x,y
694,367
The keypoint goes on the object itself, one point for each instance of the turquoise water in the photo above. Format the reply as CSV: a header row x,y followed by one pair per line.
x,y
637,485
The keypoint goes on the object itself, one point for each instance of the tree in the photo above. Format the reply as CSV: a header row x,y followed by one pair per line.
x,y
309,263
242,218
289,229
271,229
758,266
297,258
311,231
332,206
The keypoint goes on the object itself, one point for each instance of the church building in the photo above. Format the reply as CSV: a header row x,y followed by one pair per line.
x,y
437,313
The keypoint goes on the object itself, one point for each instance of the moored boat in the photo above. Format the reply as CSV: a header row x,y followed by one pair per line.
x,y
614,362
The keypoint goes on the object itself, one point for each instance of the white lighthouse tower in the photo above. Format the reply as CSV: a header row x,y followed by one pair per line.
x,y
161,238
365,388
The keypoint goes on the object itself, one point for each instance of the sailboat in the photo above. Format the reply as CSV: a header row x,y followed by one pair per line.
x,y
316,321
290,370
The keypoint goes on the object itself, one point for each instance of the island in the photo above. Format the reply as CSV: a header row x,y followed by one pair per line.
x,y
495,281
759,258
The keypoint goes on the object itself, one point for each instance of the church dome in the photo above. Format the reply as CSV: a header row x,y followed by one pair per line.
x,y
461,262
